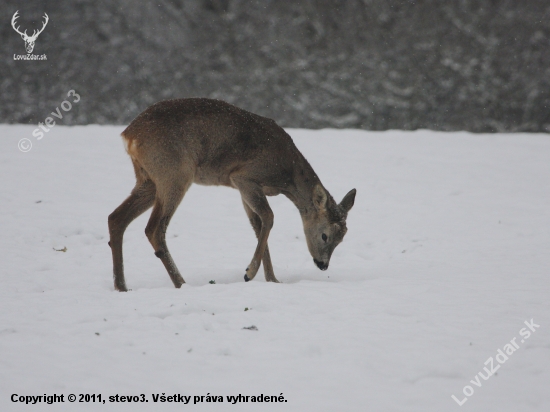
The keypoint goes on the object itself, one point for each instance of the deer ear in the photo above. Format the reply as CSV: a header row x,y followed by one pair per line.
x,y
319,197
348,200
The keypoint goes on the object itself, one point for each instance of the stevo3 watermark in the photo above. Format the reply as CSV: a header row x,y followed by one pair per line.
x,y
491,366
49,123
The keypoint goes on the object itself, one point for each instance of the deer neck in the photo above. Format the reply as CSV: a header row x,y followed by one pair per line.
x,y
301,192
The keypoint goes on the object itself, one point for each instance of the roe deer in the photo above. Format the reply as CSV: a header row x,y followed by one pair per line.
x,y
175,143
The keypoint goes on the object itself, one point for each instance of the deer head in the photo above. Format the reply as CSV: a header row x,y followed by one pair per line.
x,y
325,225
29,40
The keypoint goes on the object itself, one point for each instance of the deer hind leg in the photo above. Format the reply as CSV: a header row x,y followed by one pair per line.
x,y
141,199
163,210
256,223
254,198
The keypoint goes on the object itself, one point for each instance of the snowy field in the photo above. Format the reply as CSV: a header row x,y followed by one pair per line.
x,y
447,255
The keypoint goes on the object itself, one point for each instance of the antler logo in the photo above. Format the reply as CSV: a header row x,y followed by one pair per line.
x,y
29,40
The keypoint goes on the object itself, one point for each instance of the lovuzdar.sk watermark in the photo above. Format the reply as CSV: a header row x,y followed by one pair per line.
x,y
30,57
491,366
29,39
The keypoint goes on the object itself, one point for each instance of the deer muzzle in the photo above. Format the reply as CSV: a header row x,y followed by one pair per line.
x,y
321,265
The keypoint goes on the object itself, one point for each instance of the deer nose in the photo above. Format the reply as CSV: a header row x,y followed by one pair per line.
x,y
321,265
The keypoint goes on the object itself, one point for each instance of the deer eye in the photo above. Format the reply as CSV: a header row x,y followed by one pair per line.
x,y
324,237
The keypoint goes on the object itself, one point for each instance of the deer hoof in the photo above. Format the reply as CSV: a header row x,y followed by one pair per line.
x,y
246,278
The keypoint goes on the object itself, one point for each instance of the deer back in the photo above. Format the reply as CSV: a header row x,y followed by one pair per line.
x,y
213,140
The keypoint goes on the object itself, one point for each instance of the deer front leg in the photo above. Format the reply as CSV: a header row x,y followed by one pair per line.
x,y
254,198
256,223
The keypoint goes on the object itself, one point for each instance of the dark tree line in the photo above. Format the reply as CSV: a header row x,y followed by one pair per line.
x,y
478,65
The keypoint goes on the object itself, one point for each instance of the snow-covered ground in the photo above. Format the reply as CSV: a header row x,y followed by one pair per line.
x,y
447,255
